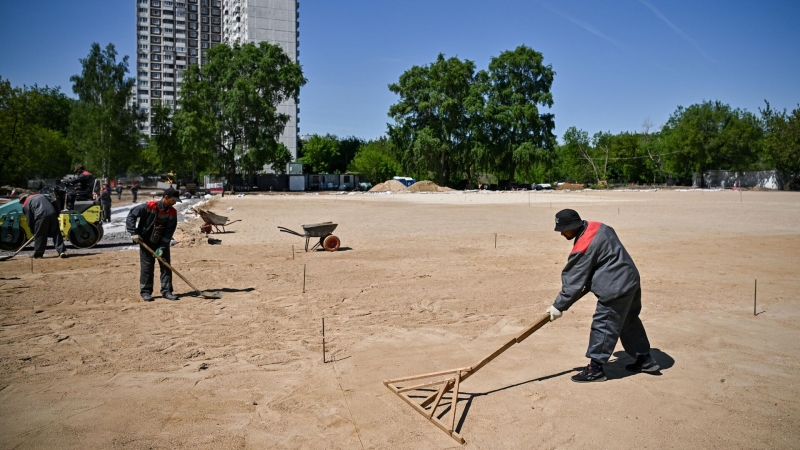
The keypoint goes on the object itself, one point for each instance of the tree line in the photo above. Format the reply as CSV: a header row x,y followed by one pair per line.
x,y
227,123
451,123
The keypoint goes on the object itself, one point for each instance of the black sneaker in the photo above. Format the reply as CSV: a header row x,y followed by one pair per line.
x,y
589,374
644,363
147,297
170,296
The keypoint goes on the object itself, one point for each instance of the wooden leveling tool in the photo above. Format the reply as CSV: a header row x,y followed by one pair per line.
x,y
453,380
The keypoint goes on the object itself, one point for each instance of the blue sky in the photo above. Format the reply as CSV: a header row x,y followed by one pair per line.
x,y
617,63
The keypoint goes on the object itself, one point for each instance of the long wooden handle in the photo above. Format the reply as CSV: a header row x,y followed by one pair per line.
x,y
168,266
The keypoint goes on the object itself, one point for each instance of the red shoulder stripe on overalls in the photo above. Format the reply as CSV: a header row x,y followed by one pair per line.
x,y
586,239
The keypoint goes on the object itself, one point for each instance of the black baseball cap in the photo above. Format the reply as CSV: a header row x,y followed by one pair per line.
x,y
172,192
568,219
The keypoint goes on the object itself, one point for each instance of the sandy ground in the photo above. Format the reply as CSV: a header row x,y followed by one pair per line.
x,y
417,287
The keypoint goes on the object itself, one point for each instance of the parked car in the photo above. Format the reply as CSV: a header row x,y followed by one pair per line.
x,y
542,186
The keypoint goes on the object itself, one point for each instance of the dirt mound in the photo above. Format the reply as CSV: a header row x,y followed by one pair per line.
x,y
570,186
424,186
389,186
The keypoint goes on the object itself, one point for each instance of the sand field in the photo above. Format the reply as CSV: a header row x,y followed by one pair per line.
x,y
418,286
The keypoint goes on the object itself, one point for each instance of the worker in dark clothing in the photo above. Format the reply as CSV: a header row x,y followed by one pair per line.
x,y
42,218
105,202
119,191
82,184
134,189
598,263
157,222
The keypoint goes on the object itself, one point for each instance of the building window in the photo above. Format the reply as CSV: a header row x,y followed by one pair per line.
x,y
167,30
155,22
169,22
141,28
180,14
215,37
143,10
142,2
143,46
203,10
142,91
204,19
155,12
155,3
192,16
143,83
143,19
215,20
142,73
143,55
192,43
214,12
156,48
192,34
193,51
155,40
167,4
155,30
204,28
192,60
143,100
155,76
193,8
181,23
156,85
204,45
143,65
193,26
168,58
156,67
215,29
155,57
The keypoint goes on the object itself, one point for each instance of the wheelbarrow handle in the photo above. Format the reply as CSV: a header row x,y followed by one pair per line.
x,y
286,230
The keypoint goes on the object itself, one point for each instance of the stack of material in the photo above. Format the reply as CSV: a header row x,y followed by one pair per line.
x,y
389,186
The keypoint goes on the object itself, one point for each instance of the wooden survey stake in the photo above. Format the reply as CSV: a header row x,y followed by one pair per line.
x,y
452,381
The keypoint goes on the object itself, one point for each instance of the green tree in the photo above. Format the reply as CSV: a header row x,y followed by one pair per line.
x,y
33,126
104,121
433,129
575,162
782,143
320,153
711,135
236,96
375,161
518,134
348,147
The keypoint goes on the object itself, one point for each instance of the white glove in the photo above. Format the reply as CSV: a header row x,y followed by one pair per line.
x,y
554,313
135,238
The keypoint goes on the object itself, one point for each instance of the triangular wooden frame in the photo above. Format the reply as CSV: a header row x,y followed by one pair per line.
x,y
453,380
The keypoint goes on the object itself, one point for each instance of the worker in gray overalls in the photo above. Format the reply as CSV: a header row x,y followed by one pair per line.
x,y
598,263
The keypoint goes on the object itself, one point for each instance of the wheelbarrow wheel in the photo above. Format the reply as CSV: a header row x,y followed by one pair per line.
x,y
331,243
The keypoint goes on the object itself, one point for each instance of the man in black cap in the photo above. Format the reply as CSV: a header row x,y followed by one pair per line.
x,y
598,263
157,222
42,219
83,185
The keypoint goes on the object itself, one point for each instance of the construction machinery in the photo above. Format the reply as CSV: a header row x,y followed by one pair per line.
x,y
82,226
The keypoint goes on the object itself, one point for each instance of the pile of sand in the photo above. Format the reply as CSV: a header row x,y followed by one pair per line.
x,y
427,186
389,186
424,186
570,186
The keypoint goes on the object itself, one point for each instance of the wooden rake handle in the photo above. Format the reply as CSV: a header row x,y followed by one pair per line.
x,y
168,266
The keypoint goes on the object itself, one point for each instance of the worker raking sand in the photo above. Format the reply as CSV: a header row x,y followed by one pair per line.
x,y
598,263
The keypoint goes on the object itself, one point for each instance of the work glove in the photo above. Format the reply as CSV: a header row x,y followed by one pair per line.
x,y
159,251
554,313
135,238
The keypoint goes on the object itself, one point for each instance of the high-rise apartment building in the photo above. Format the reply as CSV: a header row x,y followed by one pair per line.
x,y
171,35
